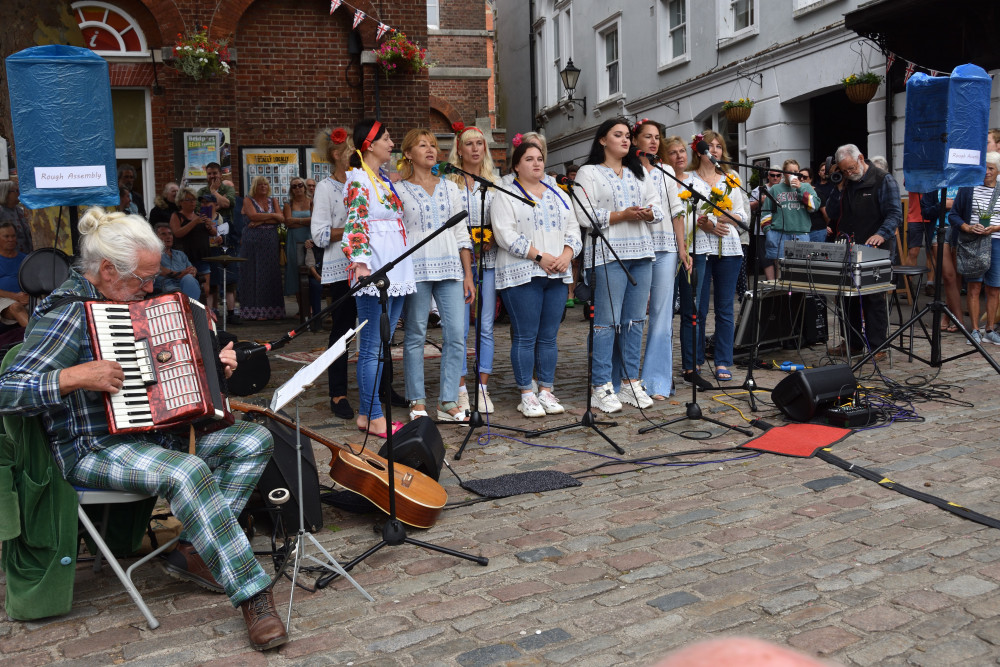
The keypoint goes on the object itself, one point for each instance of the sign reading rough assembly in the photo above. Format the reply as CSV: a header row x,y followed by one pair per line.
x,y
89,176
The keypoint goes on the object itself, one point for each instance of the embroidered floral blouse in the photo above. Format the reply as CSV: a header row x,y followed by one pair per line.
x,y
549,226
423,213
374,234
663,231
605,193
472,204
710,244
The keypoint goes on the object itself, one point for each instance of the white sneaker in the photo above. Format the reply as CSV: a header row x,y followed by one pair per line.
x,y
992,337
603,398
633,394
463,400
550,403
529,406
485,404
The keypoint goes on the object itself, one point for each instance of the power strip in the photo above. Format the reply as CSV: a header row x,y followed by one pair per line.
x,y
850,416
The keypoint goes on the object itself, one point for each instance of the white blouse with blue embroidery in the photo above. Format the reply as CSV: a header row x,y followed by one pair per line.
x,y
708,244
473,202
549,226
603,192
664,239
422,214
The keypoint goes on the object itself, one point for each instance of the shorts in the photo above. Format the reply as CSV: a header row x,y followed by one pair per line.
x,y
992,275
203,268
774,247
919,234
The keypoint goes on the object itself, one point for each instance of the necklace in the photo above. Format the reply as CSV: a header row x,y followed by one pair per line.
x,y
618,172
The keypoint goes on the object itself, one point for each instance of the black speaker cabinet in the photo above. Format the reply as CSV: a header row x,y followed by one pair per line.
x,y
418,445
800,395
281,473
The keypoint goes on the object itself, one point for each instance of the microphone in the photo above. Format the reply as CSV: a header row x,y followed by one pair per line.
x,y
652,157
702,148
455,219
563,179
248,352
442,168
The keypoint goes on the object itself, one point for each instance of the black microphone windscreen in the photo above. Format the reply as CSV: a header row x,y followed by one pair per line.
x,y
455,219
563,179
702,147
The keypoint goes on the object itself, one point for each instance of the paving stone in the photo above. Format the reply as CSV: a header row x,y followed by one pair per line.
x,y
825,640
543,639
673,601
402,640
880,618
787,601
572,652
953,652
535,555
828,482
966,586
884,647
488,655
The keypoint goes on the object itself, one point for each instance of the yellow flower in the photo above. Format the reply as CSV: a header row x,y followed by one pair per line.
x,y
487,236
716,192
726,204
476,234
732,180
684,194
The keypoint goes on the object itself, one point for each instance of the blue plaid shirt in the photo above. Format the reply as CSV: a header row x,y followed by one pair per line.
x,y
76,423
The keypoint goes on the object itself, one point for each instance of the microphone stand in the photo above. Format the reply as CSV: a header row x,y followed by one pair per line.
x,y
693,410
393,530
589,420
475,417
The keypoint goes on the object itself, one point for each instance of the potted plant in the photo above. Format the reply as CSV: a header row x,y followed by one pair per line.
x,y
737,111
399,54
861,88
199,57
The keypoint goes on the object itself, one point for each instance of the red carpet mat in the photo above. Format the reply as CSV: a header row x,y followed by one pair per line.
x,y
802,440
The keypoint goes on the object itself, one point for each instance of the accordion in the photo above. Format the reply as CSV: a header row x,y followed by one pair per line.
x,y
168,349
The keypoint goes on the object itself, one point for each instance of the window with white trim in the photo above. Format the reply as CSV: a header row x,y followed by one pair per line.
x,y
609,58
737,18
433,14
673,30
108,30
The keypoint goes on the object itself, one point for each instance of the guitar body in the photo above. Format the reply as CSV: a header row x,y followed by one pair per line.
x,y
419,499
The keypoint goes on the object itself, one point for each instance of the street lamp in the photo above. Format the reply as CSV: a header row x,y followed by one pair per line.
x,y
570,75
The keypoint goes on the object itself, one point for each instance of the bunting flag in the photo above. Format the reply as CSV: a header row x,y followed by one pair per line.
x,y
909,71
334,4
934,72
889,60
359,16
380,31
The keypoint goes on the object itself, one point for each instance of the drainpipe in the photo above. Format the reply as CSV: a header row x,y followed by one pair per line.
x,y
531,63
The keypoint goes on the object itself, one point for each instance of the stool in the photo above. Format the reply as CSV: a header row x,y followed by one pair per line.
x,y
907,272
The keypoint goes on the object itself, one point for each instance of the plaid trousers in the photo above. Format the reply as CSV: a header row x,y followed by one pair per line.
x,y
206,492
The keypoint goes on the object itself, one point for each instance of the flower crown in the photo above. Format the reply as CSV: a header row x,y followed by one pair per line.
x,y
516,141
644,121
695,140
338,136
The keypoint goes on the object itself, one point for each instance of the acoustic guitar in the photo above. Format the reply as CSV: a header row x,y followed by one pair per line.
x,y
419,499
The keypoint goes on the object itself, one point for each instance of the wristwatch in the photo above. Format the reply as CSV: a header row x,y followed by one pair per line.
x,y
538,258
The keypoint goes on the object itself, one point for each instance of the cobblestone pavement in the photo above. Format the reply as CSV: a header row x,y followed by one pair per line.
x,y
632,563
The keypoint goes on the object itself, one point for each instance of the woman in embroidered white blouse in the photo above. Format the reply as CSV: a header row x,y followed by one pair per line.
x,y
625,204
536,245
443,270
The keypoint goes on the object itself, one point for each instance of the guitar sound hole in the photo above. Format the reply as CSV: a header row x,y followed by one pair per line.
x,y
375,464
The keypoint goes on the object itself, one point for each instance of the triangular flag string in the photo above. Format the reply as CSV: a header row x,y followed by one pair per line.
x,y
334,4
359,16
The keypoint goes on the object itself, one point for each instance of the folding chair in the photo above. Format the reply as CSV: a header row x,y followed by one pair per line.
x,y
97,534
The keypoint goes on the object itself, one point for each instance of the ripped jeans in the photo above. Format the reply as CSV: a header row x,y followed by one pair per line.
x,y
619,318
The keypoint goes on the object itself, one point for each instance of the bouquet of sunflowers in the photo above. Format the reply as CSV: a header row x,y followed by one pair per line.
x,y
482,236
718,199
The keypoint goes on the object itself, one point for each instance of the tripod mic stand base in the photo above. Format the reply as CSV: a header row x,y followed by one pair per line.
x,y
693,413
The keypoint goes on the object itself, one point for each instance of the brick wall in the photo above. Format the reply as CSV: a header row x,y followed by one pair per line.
x,y
293,74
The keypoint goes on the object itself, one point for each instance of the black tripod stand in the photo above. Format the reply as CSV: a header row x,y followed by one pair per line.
x,y
476,420
937,308
588,420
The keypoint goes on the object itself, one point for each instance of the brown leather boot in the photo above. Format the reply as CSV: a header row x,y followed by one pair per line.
x,y
184,563
263,625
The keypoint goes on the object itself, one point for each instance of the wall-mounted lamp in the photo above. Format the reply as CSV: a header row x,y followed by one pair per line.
x,y
570,75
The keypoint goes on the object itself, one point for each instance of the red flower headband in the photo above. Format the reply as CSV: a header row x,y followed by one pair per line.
x,y
338,136
459,128
516,141
366,144
635,129
694,142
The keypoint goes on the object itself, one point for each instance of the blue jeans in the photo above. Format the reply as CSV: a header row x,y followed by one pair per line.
x,y
619,318
692,344
722,272
488,293
369,374
818,235
535,310
658,360
450,299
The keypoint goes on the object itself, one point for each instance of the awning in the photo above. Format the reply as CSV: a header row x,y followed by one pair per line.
x,y
936,34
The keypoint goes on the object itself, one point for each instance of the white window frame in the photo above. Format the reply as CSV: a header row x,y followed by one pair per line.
x,y
727,21
144,155
601,30
434,6
109,8
803,7
665,40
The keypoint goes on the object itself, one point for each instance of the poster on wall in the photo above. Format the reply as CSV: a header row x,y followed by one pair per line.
x,y
202,146
4,167
317,167
278,164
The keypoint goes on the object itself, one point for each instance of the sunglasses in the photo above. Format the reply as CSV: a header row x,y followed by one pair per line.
x,y
297,185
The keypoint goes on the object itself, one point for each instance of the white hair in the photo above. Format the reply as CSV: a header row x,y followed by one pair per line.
x,y
880,162
993,158
116,237
847,151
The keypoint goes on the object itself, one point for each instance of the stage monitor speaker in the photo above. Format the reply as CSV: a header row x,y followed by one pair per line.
x,y
800,395
419,446
777,321
281,473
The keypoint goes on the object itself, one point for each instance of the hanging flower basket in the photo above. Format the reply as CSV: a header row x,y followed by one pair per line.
x,y
200,57
737,111
861,88
399,54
